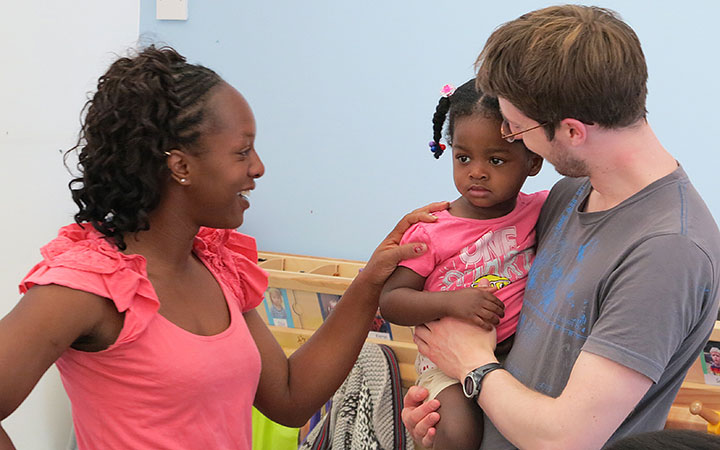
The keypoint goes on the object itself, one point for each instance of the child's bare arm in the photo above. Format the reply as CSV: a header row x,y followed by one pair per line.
x,y
404,302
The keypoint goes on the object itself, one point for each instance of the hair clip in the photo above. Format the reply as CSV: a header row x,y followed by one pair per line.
x,y
447,90
434,147
167,153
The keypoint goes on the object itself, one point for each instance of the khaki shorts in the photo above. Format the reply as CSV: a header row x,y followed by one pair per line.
x,y
434,380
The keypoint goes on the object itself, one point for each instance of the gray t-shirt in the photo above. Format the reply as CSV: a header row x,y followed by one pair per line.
x,y
637,284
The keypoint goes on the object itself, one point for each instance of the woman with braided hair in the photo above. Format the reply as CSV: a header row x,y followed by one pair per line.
x,y
146,303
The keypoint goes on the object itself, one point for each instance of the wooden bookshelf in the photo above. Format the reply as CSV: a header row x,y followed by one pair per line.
x,y
694,389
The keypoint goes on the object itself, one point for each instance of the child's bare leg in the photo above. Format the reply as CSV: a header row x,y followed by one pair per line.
x,y
461,421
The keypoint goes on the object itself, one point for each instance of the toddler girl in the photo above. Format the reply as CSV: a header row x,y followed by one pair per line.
x,y
480,249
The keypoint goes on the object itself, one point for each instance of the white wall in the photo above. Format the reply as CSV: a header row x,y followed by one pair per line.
x,y
52,53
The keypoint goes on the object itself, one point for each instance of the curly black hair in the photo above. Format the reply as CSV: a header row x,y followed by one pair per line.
x,y
144,106
465,101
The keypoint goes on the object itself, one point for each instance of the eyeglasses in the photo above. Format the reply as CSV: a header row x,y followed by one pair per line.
x,y
507,134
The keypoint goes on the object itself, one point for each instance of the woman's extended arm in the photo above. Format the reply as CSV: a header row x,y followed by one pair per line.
x,y
293,389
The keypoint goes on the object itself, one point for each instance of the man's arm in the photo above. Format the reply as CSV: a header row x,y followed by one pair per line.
x,y
599,395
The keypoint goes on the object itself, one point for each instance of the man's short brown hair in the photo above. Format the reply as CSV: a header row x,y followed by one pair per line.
x,y
570,61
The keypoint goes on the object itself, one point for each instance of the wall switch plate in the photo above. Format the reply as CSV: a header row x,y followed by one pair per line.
x,y
171,9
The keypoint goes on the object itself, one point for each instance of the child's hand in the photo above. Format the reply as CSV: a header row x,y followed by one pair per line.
x,y
477,305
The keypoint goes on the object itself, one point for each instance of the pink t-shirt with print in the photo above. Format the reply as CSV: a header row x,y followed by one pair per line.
x,y
462,251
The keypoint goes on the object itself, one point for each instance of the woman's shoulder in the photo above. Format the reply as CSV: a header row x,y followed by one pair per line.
x,y
82,247
232,256
81,259
218,242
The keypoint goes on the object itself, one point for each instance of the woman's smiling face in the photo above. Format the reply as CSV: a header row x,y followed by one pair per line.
x,y
225,163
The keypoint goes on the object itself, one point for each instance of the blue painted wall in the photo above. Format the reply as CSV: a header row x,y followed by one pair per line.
x,y
343,94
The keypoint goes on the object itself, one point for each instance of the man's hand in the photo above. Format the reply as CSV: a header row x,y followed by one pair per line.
x,y
420,418
455,346
477,305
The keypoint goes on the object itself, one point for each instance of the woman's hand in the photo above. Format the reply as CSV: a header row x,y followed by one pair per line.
x,y
389,253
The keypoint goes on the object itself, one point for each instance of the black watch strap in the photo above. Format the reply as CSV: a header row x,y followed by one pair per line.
x,y
473,380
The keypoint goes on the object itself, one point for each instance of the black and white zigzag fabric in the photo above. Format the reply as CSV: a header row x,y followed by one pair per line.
x,y
365,412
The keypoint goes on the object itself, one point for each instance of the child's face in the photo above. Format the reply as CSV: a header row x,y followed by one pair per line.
x,y
488,170
715,358
276,299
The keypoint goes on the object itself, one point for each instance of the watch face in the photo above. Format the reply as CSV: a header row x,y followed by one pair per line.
x,y
468,386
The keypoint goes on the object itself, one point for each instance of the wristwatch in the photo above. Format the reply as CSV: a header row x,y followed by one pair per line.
x,y
473,380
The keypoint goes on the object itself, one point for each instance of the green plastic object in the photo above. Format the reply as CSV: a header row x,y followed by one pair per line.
x,y
268,435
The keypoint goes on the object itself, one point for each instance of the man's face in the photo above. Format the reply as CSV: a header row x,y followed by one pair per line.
x,y
555,152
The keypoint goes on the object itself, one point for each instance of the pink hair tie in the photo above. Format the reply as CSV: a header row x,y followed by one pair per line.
x,y
447,90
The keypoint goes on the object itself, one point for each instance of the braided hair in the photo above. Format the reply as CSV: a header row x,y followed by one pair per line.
x,y
467,100
144,106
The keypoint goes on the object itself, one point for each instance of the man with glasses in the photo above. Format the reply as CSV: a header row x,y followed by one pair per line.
x,y
623,292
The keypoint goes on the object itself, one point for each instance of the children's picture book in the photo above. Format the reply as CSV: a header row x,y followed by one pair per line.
x,y
327,303
380,328
277,308
710,361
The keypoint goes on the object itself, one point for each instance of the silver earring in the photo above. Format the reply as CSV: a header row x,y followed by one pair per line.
x,y
182,180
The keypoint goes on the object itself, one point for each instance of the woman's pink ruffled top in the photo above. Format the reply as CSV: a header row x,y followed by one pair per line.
x,y
158,386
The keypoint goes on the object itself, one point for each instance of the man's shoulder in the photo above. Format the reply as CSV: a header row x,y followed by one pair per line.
x,y
672,206
568,184
565,190
561,198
